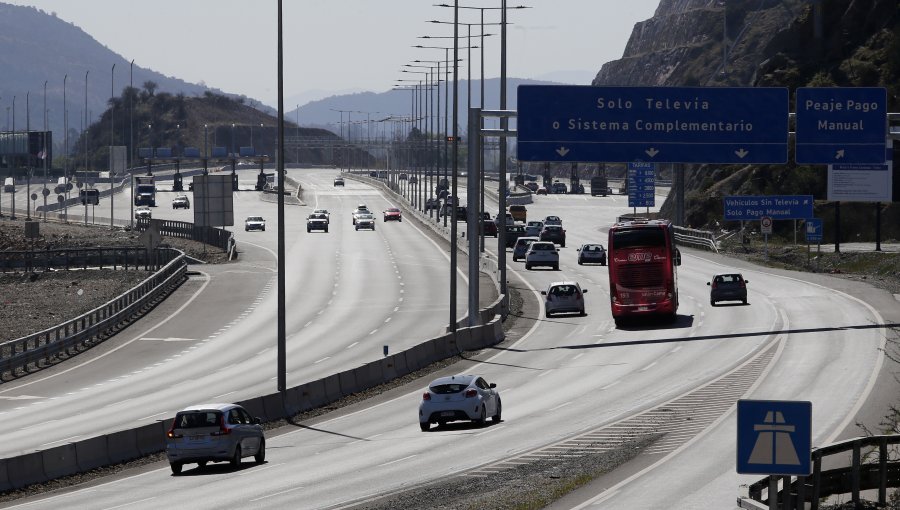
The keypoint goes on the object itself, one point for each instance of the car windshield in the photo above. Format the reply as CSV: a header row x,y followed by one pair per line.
x,y
197,419
365,216
562,290
535,223
255,218
393,209
446,389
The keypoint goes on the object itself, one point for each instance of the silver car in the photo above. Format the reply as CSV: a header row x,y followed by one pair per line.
x,y
533,228
564,297
542,253
365,221
214,433
459,397
521,247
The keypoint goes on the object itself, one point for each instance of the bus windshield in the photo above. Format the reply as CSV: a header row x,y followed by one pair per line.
x,y
643,237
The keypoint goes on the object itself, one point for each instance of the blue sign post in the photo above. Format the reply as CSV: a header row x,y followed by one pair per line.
x,y
841,125
814,230
641,184
654,124
774,437
777,207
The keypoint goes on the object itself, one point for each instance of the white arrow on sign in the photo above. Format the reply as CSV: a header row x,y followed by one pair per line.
x,y
741,153
839,155
651,152
562,151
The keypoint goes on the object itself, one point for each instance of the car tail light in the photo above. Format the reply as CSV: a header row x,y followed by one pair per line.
x,y
578,296
743,285
223,430
471,393
171,433
426,396
714,285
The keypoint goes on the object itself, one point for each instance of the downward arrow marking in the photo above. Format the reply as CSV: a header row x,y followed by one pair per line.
x,y
562,151
741,153
651,152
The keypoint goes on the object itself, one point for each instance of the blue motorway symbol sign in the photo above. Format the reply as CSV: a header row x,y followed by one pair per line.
x,y
774,437
654,124
814,230
641,184
841,125
777,207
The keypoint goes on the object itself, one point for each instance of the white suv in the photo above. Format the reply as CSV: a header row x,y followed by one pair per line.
x,y
542,253
214,433
563,297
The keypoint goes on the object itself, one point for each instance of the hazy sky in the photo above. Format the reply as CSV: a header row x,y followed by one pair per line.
x,y
346,45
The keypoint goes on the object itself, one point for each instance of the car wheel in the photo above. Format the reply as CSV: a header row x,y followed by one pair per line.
x,y
496,418
556,267
399,219
482,417
582,314
744,301
547,314
562,244
424,425
357,228
236,458
326,230
580,263
308,230
515,259
527,266
712,303
246,229
264,229
260,456
176,467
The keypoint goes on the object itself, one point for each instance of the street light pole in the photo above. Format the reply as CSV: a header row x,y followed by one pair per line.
x,y
453,226
45,191
66,155
112,141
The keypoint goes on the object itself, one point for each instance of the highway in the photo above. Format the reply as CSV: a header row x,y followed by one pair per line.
x,y
565,378
349,294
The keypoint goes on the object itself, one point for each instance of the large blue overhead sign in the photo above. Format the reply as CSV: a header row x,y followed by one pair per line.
x,y
841,125
777,207
652,124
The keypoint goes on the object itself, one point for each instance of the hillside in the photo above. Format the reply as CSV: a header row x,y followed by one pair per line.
x,y
770,43
37,47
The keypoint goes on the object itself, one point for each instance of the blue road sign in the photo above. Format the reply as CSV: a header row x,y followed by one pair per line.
x,y
777,207
655,124
641,184
247,152
841,125
774,437
814,230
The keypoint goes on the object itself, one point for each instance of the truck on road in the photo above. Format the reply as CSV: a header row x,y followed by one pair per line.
x,y
144,190
599,185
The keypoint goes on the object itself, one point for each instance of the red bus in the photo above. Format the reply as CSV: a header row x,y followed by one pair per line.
x,y
643,280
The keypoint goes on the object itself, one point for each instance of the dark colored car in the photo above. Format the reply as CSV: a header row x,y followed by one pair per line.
x,y
513,233
554,233
488,228
432,203
728,287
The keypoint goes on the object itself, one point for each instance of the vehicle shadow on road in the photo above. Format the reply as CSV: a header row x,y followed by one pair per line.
x,y
222,468
464,426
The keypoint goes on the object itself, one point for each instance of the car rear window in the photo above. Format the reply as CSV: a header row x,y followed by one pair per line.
x,y
542,246
729,278
197,419
447,389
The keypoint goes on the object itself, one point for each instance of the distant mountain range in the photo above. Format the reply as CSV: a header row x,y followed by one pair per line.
x,y
380,105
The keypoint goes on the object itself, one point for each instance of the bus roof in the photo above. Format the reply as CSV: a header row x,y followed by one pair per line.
x,y
638,222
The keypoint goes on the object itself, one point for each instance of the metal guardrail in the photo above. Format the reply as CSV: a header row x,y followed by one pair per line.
x,y
212,236
96,324
697,238
880,475
113,257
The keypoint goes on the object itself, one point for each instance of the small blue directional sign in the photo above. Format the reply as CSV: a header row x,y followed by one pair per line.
x,y
814,230
654,124
774,437
777,207
641,184
841,125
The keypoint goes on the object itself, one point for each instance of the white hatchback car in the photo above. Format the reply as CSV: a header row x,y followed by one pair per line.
x,y
459,397
521,247
214,433
542,253
561,297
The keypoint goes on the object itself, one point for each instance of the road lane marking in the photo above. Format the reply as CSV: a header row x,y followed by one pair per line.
x,y
610,385
223,395
60,440
387,320
276,494
373,331
560,406
321,360
648,367
398,460
130,503
676,349
354,344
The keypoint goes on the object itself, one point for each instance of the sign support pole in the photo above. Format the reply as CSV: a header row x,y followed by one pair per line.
x,y
773,492
473,213
877,226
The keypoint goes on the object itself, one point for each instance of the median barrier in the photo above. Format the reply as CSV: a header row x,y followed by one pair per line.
x,y
273,403
389,368
443,347
254,406
26,470
4,476
332,388
122,446
60,461
420,356
91,453
313,394
347,380
370,375
151,438
293,402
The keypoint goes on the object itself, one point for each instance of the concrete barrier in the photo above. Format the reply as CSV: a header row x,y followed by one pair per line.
x,y
347,379
4,476
122,446
92,453
60,461
273,404
389,368
26,470
314,394
369,375
151,438
255,407
332,388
